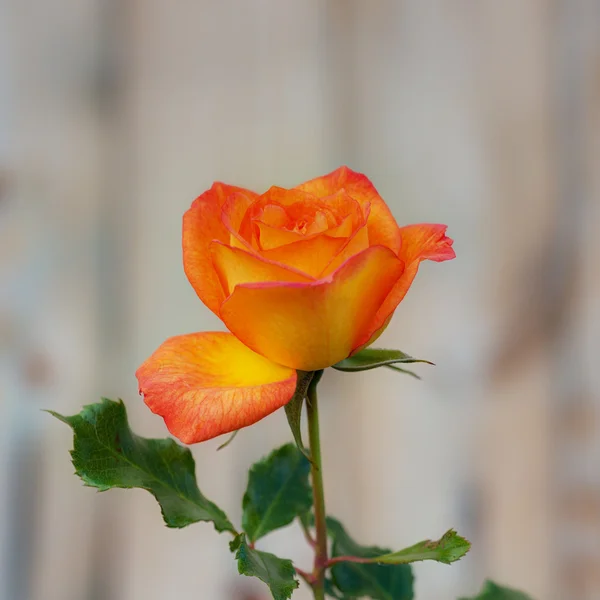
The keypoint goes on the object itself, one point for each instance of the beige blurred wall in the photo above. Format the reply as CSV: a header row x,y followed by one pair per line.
x,y
484,115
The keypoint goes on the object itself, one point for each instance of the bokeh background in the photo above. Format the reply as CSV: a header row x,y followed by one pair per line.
x,y
485,115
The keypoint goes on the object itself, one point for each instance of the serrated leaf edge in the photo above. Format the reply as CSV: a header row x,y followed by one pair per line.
x,y
430,547
90,483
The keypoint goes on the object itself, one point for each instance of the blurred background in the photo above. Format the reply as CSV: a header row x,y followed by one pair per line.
x,y
116,114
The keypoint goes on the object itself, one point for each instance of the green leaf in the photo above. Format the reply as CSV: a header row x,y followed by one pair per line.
x,y
376,581
277,573
107,454
492,591
371,358
293,409
333,592
448,549
278,491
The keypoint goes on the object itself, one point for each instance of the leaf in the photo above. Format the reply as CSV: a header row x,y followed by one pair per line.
x,y
278,491
371,358
107,454
277,573
333,592
492,591
376,581
448,549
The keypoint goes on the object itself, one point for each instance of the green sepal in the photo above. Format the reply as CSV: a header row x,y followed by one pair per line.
x,y
400,370
278,491
107,454
293,409
448,549
371,358
357,580
228,440
492,591
277,573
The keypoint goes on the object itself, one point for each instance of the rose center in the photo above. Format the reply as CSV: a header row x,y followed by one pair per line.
x,y
300,226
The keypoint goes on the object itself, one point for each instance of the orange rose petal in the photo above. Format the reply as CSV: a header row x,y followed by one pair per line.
x,y
285,197
309,255
207,384
356,244
233,217
426,241
235,266
383,229
270,238
274,215
344,229
201,225
419,242
346,207
274,237
313,325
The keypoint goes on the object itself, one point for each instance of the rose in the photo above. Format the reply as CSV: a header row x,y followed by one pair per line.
x,y
302,278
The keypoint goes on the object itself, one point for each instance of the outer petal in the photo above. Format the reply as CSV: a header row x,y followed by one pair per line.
x,y
206,384
313,325
383,229
201,225
419,242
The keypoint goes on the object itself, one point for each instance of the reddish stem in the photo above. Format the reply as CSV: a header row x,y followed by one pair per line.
x,y
308,577
309,538
354,559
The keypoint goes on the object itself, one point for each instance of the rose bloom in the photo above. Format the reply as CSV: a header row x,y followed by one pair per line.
x,y
301,277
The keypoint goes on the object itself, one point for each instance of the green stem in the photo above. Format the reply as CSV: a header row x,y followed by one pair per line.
x,y
318,491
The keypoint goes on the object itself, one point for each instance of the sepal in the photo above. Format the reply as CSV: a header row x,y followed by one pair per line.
x,y
372,358
293,409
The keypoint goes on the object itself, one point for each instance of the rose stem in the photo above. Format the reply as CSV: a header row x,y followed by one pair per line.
x,y
318,491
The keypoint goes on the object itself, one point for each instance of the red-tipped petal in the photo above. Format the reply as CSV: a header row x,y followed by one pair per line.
x,y
419,242
207,384
383,229
202,224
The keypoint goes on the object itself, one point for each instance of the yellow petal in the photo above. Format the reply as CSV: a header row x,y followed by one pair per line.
x,y
311,326
235,266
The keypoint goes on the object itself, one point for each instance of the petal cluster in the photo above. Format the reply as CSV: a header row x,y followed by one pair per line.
x,y
301,277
